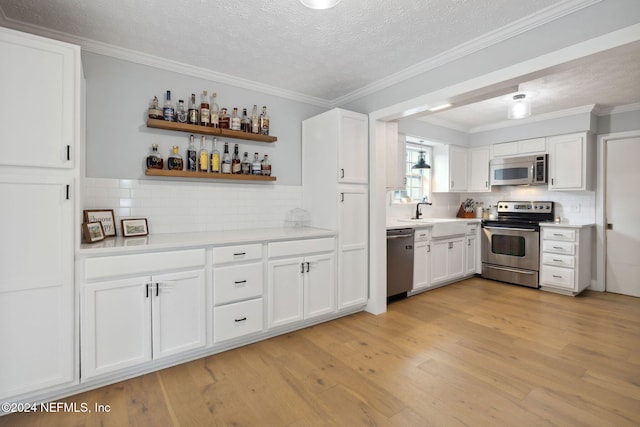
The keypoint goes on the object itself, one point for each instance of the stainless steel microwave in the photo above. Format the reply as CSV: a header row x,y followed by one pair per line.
x,y
526,170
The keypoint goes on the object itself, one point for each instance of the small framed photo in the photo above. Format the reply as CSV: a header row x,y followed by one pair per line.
x,y
92,232
104,216
134,227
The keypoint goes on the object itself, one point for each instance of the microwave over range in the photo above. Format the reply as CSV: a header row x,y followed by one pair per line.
x,y
525,170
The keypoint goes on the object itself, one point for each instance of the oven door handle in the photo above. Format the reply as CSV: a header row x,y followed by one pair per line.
x,y
510,228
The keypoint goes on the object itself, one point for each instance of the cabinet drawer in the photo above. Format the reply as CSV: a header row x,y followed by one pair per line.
x,y
557,276
300,247
109,266
236,320
237,253
566,234
237,282
422,234
558,247
568,261
472,229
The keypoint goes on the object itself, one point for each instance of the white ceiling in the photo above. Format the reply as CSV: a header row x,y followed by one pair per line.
x,y
330,55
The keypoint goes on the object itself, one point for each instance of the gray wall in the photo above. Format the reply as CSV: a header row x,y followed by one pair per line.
x,y
433,132
619,122
118,93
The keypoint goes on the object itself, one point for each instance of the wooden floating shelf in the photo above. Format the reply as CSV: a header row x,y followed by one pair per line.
x,y
208,175
204,130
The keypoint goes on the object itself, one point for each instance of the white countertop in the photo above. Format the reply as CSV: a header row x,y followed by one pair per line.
x,y
121,245
565,225
393,223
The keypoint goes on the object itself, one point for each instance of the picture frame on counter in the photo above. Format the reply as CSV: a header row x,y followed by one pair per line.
x,y
103,216
92,232
134,227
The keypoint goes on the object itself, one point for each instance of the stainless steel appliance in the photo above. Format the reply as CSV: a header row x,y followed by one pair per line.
x,y
526,170
399,261
511,242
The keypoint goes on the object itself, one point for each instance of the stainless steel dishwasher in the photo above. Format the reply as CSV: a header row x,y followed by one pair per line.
x,y
399,261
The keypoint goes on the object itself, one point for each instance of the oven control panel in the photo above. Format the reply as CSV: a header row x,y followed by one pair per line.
x,y
525,207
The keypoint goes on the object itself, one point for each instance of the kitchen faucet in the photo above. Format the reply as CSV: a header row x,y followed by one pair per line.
x,y
424,202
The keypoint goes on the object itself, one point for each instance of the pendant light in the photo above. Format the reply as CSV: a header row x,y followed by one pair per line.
x,y
422,164
520,107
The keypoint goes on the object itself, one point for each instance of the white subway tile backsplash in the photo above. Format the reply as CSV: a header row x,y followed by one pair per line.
x,y
192,206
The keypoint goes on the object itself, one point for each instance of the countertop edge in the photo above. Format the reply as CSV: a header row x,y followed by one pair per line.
x,y
168,241
566,225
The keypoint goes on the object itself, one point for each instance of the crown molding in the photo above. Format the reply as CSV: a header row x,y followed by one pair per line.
x,y
607,111
513,29
141,58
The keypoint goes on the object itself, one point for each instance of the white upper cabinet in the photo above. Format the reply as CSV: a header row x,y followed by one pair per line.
x,y
450,168
40,86
523,147
353,137
571,162
479,169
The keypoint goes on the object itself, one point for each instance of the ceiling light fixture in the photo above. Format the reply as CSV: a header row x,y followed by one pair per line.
x,y
320,4
520,107
440,107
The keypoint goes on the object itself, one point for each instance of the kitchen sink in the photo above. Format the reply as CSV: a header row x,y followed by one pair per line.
x,y
441,227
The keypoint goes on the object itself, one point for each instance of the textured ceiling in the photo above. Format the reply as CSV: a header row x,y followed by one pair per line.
x,y
325,55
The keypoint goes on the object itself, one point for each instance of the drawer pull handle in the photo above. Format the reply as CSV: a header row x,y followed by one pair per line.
x,y
240,254
558,234
242,319
240,282
557,277
559,248
557,260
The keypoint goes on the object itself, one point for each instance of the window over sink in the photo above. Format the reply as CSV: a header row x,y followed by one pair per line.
x,y
417,181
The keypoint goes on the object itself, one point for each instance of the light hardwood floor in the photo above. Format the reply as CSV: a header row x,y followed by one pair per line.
x,y
477,353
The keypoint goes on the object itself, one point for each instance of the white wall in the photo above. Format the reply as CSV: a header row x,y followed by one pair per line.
x,y
118,95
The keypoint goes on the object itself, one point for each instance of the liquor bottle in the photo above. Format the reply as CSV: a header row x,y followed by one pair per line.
x,y
192,155
266,166
256,167
193,111
154,109
168,112
246,164
264,121
215,157
245,123
181,114
203,157
235,120
235,161
224,119
226,159
154,160
255,120
215,111
175,162
205,119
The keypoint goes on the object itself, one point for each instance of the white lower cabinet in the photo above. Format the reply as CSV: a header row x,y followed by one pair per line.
x,y
238,288
447,259
566,259
130,321
421,260
303,286
472,250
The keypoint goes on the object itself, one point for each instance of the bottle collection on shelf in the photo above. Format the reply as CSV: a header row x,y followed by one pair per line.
x,y
204,160
210,115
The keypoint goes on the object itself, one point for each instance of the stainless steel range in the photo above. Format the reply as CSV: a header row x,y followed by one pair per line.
x,y
511,242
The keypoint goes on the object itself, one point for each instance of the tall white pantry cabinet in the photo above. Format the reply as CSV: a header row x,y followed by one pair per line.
x,y
335,179
40,134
